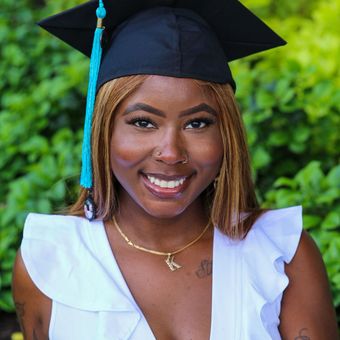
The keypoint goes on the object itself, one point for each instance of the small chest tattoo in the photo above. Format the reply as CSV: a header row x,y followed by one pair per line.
x,y
204,269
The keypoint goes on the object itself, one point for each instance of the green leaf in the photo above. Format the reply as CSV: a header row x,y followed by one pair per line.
x,y
6,301
311,176
285,182
332,220
311,221
333,177
265,99
260,158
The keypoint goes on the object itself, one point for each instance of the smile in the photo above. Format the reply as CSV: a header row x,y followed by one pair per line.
x,y
166,184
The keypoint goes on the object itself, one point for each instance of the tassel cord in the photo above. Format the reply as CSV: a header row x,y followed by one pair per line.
x,y
86,179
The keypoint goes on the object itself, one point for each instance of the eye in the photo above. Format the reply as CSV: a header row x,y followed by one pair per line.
x,y
199,123
142,122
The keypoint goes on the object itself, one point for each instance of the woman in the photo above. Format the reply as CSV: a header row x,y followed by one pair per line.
x,y
169,162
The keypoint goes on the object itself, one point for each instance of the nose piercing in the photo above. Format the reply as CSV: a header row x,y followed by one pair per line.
x,y
159,154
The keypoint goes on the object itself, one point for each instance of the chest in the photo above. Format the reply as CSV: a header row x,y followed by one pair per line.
x,y
241,284
175,304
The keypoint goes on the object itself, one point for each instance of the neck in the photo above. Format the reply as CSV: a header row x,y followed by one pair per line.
x,y
163,234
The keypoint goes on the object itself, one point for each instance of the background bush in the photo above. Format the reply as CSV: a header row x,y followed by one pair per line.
x,y
289,98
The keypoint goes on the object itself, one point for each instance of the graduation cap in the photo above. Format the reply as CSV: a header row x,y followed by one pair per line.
x,y
179,38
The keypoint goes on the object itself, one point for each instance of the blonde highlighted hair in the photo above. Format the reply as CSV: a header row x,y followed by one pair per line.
x,y
231,203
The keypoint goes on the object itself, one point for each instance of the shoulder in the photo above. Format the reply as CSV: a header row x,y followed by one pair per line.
x,y
307,308
287,272
43,235
51,239
271,242
61,240
276,234
41,225
46,233
66,257
307,256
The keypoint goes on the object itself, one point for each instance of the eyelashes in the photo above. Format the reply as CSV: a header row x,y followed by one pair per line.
x,y
199,123
142,122
194,124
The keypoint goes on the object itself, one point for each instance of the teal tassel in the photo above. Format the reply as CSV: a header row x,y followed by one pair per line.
x,y
86,179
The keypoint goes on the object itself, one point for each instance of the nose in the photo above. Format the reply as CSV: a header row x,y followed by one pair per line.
x,y
171,148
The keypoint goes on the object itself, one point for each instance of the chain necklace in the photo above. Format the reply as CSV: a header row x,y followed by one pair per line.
x,y
170,256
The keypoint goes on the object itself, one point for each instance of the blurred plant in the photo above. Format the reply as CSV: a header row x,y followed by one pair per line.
x,y
42,86
289,97
319,194
290,100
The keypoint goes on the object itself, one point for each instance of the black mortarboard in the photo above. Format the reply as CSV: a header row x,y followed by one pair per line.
x,y
183,38
179,38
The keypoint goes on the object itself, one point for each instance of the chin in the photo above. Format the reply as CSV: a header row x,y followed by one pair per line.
x,y
164,210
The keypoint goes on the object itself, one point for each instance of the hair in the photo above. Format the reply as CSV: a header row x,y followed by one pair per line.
x,y
231,202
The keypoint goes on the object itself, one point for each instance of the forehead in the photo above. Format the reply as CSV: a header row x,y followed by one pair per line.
x,y
177,92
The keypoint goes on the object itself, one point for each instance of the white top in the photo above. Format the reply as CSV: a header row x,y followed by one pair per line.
x,y
70,260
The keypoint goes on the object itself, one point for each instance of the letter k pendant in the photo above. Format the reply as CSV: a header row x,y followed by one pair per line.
x,y
171,263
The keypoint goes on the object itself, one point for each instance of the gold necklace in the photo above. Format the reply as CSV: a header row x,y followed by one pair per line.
x,y
170,256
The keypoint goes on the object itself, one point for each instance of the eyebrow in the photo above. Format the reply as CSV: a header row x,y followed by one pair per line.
x,y
199,108
148,108
143,107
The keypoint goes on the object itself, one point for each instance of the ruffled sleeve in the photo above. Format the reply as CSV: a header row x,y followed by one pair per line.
x,y
270,244
59,257
70,260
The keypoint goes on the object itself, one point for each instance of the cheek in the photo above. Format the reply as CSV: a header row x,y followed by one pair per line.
x,y
208,154
122,152
127,150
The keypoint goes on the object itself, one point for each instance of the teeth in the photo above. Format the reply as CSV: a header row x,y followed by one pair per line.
x,y
166,184
171,184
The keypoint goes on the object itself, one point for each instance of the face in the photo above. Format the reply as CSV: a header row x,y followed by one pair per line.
x,y
166,146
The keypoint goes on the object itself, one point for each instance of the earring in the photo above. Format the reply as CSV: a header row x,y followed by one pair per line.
x,y
216,182
90,207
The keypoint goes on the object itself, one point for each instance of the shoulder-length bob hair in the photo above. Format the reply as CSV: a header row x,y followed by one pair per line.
x,y
231,203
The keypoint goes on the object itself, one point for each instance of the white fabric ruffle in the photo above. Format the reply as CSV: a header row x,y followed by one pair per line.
x,y
70,261
272,242
60,258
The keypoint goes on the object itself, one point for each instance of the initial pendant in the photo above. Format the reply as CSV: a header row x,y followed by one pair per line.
x,y
171,263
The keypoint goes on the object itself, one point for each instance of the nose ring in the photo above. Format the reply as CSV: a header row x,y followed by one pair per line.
x,y
184,161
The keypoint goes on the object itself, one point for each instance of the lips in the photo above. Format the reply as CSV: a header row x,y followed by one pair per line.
x,y
165,186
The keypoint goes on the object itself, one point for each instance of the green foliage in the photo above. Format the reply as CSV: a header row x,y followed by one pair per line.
x,y
41,105
319,193
289,97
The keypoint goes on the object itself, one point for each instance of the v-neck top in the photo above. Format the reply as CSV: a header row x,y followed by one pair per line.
x,y
70,260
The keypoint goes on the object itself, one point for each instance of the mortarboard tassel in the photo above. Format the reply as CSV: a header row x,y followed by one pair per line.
x,y
86,180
